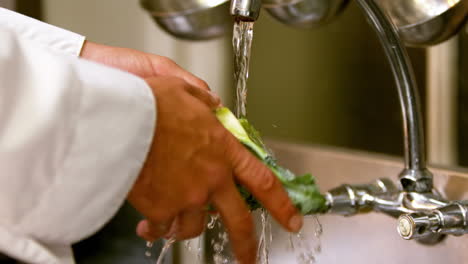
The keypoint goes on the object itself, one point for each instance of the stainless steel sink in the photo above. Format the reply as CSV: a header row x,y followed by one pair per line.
x,y
368,238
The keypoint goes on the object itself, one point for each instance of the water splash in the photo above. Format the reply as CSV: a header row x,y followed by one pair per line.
x,y
318,234
307,245
165,250
200,249
197,250
266,237
149,246
212,222
242,43
219,244
188,245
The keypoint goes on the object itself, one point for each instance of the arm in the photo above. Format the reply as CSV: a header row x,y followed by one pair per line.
x,y
191,153
73,137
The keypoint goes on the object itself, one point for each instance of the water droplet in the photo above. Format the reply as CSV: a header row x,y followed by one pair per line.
x,y
149,245
199,249
212,222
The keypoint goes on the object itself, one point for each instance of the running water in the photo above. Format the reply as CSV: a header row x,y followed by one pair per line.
x,y
219,243
165,250
305,245
241,42
299,243
266,237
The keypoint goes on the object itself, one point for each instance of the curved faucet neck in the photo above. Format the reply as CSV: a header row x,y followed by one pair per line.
x,y
415,176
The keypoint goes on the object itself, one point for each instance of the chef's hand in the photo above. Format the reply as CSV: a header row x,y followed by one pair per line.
x,y
142,64
195,162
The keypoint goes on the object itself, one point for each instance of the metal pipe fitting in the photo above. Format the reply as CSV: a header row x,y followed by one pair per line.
x,y
383,196
348,199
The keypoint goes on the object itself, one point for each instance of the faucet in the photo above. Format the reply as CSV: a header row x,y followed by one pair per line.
x,y
245,10
423,214
208,19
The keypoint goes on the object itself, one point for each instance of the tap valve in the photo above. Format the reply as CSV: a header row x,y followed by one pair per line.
x,y
417,225
450,219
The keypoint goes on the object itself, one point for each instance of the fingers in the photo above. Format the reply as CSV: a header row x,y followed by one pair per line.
x,y
208,97
211,99
265,186
167,67
238,222
195,81
190,78
190,223
152,231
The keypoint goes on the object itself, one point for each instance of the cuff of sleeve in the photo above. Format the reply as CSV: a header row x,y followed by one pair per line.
x,y
46,35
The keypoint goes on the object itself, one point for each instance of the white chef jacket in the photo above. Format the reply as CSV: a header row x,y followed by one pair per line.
x,y
73,137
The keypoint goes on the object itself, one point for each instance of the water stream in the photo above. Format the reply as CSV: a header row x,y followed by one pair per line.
x,y
165,250
300,243
303,245
242,43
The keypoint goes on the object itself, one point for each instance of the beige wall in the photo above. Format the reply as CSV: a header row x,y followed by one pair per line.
x,y
124,23
10,4
329,85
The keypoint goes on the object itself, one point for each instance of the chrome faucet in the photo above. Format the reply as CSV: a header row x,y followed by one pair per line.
x,y
207,19
422,213
245,10
200,20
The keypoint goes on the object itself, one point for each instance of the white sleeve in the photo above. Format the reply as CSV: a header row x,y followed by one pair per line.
x,y
73,138
43,34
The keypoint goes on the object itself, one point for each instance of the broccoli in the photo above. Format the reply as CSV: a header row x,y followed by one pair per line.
x,y
302,190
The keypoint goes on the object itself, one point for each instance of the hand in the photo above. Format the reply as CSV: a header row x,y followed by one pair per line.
x,y
194,162
144,65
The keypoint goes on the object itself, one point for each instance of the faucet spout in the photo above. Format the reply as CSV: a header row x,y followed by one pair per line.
x,y
245,10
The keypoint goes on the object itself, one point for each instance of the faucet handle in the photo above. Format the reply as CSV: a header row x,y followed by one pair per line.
x,y
450,219
422,227
417,225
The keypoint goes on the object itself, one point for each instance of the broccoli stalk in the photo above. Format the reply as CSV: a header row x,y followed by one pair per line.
x,y
302,190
